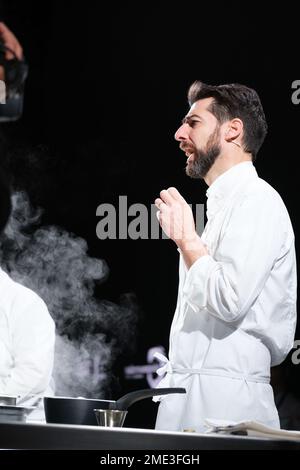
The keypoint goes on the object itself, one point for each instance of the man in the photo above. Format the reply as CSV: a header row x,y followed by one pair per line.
x,y
236,307
26,341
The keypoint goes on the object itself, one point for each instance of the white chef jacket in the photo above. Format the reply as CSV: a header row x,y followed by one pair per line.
x,y
236,308
27,336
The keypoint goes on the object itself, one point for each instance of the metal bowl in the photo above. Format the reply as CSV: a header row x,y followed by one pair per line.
x,y
110,418
11,413
8,400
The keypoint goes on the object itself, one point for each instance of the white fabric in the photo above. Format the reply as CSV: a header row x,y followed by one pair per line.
x,y
27,337
236,308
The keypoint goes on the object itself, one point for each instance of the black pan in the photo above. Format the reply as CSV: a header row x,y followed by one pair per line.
x,y
66,410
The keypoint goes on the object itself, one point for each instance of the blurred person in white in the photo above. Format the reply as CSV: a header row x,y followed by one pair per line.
x,y
27,331
236,308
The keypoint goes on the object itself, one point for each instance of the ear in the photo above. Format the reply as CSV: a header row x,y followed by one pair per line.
x,y
234,129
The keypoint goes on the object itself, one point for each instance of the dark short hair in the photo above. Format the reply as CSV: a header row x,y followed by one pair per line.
x,y
235,101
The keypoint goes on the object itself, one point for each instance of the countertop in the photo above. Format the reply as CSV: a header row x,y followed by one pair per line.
x,y
57,436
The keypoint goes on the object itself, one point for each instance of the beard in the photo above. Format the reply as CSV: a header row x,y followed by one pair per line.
x,y
203,160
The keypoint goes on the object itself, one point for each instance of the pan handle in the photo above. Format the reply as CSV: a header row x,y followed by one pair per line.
x,y
132,397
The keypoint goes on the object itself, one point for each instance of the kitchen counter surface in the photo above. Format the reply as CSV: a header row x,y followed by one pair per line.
x,y
58,436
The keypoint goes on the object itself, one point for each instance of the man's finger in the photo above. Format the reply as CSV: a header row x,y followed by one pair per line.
x,y
161,205
176,194
166,197
11,42
158,202
18,50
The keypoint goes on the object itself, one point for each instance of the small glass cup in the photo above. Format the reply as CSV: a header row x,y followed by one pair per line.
x,y
110,418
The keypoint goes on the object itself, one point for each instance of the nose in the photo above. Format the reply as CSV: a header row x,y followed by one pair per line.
x,y
182,133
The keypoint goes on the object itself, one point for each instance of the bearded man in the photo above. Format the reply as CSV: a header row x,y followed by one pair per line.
x,y
236,309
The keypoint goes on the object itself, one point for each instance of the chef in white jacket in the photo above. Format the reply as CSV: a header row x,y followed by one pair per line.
x,y
236,308
26,340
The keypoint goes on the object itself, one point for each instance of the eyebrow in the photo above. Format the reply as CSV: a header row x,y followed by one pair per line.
x,y
187,118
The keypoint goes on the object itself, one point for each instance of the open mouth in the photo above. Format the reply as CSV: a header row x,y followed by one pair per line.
x,y
188,152
190,157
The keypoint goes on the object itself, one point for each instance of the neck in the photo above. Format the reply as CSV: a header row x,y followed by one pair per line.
x,y
224,163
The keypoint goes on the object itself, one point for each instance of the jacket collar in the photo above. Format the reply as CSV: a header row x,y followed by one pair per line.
x,y
227,184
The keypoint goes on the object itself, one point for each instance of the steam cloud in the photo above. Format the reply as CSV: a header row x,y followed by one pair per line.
x,y
55,264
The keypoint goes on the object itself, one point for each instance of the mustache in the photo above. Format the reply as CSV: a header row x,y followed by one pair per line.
x,y
185,147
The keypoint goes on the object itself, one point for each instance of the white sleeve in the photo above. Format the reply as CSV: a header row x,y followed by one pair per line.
x,y
229,283
32,333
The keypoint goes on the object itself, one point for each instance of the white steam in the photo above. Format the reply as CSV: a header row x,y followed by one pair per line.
x,y
55,264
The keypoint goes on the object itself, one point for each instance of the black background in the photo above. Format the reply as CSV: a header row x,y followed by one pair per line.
x,y
106,92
